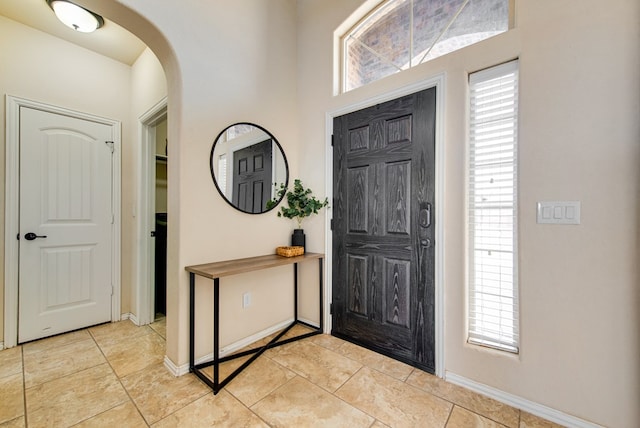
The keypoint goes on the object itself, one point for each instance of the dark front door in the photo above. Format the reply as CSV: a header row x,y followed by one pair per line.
x,y
383,228
252,177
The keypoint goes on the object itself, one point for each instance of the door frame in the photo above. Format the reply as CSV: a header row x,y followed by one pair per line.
x,y
439,82
12,208
145,290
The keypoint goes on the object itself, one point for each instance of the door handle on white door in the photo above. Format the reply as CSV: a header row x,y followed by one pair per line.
x,y
31,236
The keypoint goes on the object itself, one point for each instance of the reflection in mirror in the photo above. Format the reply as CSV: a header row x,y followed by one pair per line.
x,y
248,165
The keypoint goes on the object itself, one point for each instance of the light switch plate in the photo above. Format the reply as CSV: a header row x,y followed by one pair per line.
x,y
559,212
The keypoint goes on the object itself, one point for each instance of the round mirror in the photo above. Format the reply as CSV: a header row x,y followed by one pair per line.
x,y
248,166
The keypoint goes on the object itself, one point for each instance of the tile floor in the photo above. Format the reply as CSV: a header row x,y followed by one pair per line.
x,y
113,375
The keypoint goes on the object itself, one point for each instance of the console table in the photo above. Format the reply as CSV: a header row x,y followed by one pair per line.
x,y
217,270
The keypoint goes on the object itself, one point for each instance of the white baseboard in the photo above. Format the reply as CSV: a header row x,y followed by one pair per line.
x,y
1,346
173,369
313,323
227,350
131,317
536,409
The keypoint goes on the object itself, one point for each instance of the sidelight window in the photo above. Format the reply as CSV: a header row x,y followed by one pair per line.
x,y
492,208
400,34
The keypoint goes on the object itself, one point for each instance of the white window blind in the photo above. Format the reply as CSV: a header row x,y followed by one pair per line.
x,y
222,173
492,204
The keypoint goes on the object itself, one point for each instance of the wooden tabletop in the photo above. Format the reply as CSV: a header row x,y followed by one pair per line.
x,y
234,267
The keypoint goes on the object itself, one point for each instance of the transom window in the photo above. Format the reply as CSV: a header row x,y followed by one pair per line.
x,y
400,34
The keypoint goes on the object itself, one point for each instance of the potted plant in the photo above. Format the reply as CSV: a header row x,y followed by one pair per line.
x,y
300,204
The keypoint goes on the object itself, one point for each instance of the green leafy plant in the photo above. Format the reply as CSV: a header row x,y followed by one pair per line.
x,y
300,202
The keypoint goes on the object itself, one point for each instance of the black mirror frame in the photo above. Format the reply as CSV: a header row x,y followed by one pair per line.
x,y
213,176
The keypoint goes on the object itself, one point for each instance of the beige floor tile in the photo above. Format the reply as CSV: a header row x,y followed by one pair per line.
x,y
392,401
297,330
134,354
319,365
157,393
465,398
11,361
14,423
226,368
376,361
49,364
299,403
55,342
527,420
220,410
11,397
258,380
123,416
74,398
112,333
462,418
327,341
378,424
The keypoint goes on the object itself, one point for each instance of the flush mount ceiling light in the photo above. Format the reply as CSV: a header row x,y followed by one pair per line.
x,y
76,17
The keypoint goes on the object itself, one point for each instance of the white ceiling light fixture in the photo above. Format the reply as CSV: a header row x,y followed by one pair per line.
x,y
76,17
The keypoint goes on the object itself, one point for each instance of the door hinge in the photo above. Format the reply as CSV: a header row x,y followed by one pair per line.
x,y
113,218
331,224
332,139
111,145
153,233
330,308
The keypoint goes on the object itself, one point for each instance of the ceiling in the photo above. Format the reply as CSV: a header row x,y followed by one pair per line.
x,y
111,40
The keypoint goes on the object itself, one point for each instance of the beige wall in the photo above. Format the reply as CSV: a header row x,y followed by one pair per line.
x,y
42,68
579,134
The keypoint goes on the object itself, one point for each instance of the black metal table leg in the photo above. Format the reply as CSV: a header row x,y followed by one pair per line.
x,y
295,292
192,320
216,334
321,297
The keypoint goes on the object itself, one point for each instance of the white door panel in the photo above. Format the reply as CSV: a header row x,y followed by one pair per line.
x,y
66,199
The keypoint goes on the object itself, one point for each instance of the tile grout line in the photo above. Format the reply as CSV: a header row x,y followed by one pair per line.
x,y
148,423
296,374
274,390
61,377
131,400
24,390
413,369
449,417
362,365
350,404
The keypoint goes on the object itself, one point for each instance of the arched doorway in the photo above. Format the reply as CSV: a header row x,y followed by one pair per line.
x,y
129,184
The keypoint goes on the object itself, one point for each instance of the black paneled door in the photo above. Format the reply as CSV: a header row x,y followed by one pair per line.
x,y
383,228
252,177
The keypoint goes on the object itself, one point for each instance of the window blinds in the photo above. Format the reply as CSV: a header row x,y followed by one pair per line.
x,y
492,204
222,173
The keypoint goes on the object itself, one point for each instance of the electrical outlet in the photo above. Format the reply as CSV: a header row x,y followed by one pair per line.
x,y
246,300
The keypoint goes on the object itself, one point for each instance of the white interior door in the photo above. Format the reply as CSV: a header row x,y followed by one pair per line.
x,y
66,201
